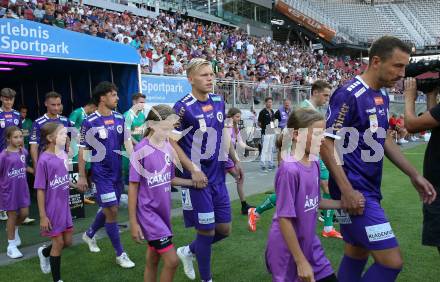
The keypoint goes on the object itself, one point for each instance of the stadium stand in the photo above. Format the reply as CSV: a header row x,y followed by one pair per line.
x,y
233,53
409,20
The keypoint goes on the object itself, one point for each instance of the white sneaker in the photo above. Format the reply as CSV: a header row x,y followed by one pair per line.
x,y
3,215
124,261
44,261
187,260
17,241
17,238
13,252
28,220
91,242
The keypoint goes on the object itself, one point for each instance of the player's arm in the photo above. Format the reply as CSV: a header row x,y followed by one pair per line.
x,y
82,181
351,200
199,178
33,142
305,271
327,204
44,220
178,181
424,188
135,230
426,121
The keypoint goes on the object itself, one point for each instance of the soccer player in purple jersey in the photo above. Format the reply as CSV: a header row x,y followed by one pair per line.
x,y
8,116
53,106
52,184
361,106
14,190
208,210
104,133
294,252
149,194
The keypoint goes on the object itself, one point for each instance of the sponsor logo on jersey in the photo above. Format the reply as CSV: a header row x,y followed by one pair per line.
x,y
17,172
109,122
158,179
59,181
216,98
207,108
379,232
206,217
311,203
220,116
337,125
378,100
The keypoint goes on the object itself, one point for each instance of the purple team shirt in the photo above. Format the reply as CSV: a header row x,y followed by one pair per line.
x,y
153,169
14,190
111,133
52,176
207,121
38,124
298,196
366,110
8,119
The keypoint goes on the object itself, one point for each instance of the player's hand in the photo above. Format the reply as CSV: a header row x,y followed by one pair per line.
x,y
45,224
305,271
410,88
199,179
424,188
353,202
136,233
82,185
240,174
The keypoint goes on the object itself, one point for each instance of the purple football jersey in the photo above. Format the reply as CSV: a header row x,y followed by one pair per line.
x,y
298,196
7,119
357,106
52,176
104,136
14,190
153,169
38,124
202,143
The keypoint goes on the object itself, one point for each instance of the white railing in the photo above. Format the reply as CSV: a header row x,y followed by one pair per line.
x,y
243,94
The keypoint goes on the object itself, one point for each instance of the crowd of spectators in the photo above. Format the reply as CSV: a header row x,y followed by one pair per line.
x,y
167,42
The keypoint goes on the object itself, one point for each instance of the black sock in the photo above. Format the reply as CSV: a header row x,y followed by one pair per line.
x,y
46,251
55,267
243,204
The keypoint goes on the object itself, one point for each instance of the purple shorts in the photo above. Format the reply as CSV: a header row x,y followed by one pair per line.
x,y
229,165
203,208
14,199
371,231
108,193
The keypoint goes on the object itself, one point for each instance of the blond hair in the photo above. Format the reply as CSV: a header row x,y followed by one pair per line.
x,y
195,64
